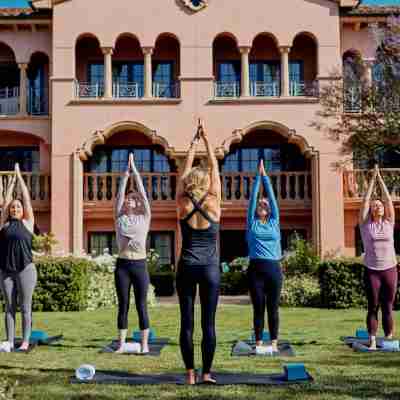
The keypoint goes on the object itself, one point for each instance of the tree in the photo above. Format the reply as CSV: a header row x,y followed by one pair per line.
x,y
361,113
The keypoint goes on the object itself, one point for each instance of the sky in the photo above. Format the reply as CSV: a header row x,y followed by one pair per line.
x,y
24,3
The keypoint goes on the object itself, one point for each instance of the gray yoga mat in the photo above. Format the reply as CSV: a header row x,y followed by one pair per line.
x,y
228,378
155,347
363,345
285,350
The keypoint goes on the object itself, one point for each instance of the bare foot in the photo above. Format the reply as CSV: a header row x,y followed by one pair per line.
x,y
120,348
190,377
144,348
208,379
389,337
24,346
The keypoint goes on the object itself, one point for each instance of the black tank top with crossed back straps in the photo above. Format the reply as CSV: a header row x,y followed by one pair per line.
x,y
199,246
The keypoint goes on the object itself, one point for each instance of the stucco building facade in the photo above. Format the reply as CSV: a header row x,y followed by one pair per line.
x,y
84,82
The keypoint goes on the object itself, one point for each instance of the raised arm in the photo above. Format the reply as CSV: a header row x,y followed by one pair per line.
x,y
186,169
8,199
26,198
367,198
215,184
121,193
271,197
139,185
389,207
251,210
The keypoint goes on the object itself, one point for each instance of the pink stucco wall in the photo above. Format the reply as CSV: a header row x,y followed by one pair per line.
x,y
311,27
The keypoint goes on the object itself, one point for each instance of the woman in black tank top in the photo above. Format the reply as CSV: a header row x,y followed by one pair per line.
x,y
199,207
17,271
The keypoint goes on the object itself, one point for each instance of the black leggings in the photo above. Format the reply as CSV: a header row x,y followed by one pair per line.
x,y
265,280
127,273
208,278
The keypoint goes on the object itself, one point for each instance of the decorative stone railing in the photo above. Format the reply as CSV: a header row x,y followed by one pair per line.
x,y
290,187
38,185
355,183
103,187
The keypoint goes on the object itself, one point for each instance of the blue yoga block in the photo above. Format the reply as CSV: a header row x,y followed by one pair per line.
x,y
362,334
265,337
295,372
137,335
39,336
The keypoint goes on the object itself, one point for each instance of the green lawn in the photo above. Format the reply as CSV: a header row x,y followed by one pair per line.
x,y
338,371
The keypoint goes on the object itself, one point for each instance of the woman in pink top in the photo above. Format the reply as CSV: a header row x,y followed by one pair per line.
x,y
377,219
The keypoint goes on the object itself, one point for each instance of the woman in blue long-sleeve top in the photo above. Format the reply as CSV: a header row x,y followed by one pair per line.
x,y
264,273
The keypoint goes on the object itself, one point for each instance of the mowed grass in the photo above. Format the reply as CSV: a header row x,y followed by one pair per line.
x,y
339,372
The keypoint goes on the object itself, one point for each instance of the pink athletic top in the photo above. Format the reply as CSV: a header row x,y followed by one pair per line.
x,y
378,244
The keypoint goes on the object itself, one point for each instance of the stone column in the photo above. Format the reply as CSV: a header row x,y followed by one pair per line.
x,y
245,73
23,89
108,83
284,50
148,72
316,232
77,205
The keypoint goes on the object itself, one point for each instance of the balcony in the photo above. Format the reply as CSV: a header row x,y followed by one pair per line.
x,y
355,183
167,91
128,90
227,89
293,189
304,89
88,90
263,89
9,101
37,101
38,186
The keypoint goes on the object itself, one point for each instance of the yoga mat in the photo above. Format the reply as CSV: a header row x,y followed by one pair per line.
x,y
363,345
228,378
285,350
154,348
30,348
50,340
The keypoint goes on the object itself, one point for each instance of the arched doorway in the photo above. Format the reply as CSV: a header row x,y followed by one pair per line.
x,y
289,166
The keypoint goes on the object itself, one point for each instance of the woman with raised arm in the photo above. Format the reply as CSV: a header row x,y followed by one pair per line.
x,y
199,209
132,224
377,219
264,272
18,274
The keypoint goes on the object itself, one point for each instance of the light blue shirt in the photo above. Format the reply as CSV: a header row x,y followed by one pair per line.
x,y
263,239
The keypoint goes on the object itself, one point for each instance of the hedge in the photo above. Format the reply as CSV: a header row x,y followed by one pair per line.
x,y
62,284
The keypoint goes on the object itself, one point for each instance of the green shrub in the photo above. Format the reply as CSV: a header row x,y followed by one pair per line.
x,y
301,258
62,285
234,283
301,291
44,243
341,282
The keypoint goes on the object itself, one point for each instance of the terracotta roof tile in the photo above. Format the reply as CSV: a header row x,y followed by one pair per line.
x,y
15,12
374,10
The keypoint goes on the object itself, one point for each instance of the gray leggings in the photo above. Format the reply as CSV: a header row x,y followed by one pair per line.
x,y
17,288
